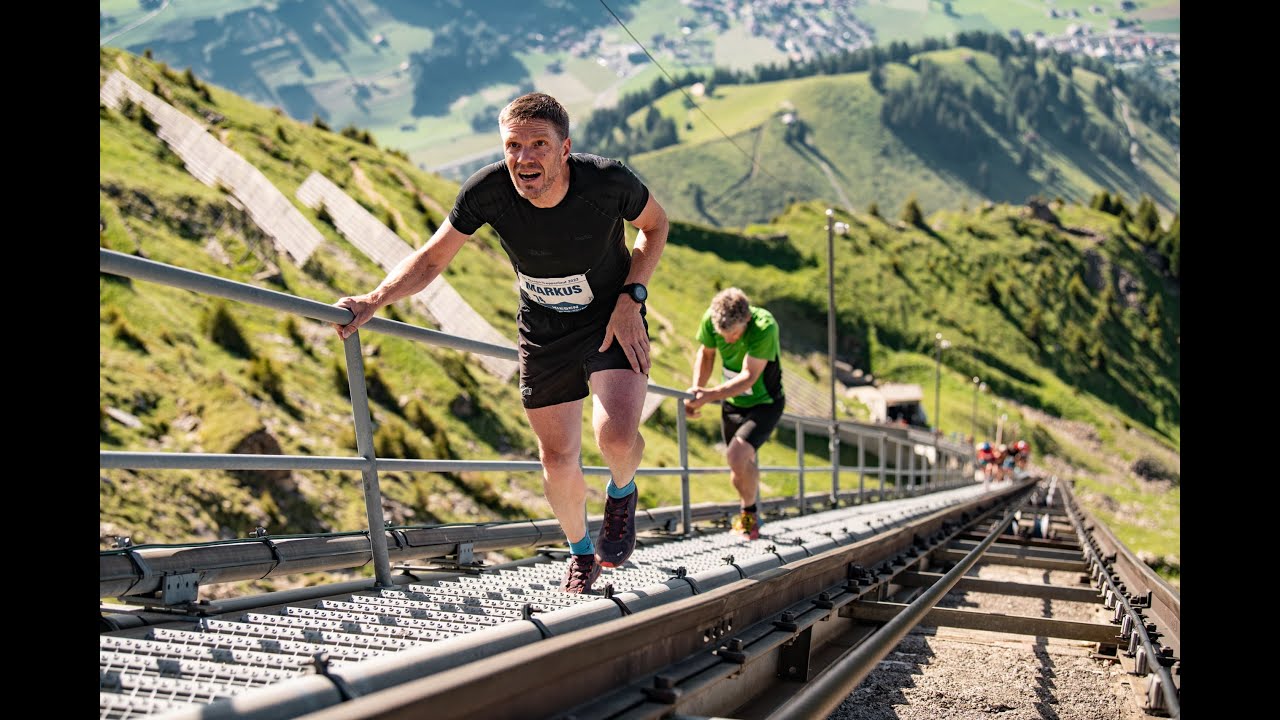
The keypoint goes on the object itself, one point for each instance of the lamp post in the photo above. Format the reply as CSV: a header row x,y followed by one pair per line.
x,y
833,227
978,385
939,345
937,398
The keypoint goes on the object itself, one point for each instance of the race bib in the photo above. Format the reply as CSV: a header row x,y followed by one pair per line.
x,y
566,294
730,375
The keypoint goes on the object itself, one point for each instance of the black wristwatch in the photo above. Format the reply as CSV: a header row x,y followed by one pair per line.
x,y
638,292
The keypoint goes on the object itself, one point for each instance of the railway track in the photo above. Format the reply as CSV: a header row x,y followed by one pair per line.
x,y
783,626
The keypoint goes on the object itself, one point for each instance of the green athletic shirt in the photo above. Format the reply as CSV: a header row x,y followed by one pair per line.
x,y
759,340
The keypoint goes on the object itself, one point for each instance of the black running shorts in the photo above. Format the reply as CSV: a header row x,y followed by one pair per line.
x,y
753,424
556,370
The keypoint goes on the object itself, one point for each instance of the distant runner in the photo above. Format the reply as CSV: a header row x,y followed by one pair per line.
x,y
748,344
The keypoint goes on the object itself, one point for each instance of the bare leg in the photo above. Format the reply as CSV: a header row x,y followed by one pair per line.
x,y
743,470
615,415
559,431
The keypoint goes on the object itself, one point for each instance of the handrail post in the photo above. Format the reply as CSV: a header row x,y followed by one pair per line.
x,y
862,471
883,465
682,434
800,463
897,471
364,445
834,445
911,470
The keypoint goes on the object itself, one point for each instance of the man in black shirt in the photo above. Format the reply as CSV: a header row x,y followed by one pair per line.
x,y
581,321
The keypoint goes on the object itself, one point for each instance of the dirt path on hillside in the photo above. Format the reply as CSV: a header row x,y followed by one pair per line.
x,y
831,178
362,182
1135,155
426,199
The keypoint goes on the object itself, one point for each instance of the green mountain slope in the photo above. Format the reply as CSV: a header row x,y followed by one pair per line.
x,y
830,137
174,377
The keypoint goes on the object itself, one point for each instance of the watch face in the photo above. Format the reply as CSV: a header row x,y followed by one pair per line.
x,y
639,292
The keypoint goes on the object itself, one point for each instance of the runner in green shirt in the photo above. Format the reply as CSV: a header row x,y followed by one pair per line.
x,y
746,338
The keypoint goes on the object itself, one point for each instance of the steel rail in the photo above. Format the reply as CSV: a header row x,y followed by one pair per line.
x,y
825,693
123,459
1120,595
118,263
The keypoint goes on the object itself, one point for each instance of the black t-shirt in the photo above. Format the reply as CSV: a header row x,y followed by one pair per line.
x,y
572,259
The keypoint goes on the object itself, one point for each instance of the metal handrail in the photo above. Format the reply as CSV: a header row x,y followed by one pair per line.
x,y
937,477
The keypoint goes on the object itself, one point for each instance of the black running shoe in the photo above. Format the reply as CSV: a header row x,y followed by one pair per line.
x,y
583,570
618,532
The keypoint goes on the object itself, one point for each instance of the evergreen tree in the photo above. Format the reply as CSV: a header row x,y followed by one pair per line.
x,y
1173,247
911,213
876,76
1147,220
1035,324
1155,312
1097,356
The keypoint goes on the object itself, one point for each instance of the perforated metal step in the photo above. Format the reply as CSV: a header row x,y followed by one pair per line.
x,y
152,671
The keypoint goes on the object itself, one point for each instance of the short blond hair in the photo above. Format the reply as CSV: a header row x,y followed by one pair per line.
x,y
729,308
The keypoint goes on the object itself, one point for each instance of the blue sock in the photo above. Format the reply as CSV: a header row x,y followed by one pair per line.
x,y
584,546
616,492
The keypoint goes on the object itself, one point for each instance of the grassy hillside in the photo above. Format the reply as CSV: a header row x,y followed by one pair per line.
x,y
825,137
174,377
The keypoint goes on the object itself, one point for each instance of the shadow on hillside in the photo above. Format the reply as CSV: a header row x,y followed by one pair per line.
x,y
461,63
995,363
1114,174
298,102
732,247
1113,383
1172,170
814,156
546,17
1003,182
225,50
475,45
803,328
325,29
